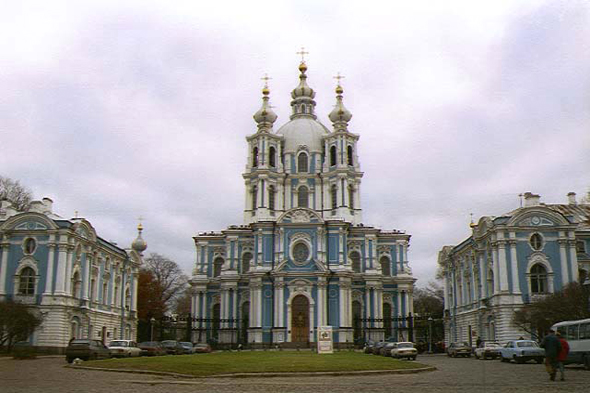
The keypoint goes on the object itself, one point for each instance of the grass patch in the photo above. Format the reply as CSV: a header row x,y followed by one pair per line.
x,y
257,362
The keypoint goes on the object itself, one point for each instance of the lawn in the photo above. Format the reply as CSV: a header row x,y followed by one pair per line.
x,y
257,362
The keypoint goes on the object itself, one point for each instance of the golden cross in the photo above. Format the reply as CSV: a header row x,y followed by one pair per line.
x,y
266,78
302,52
338,77
76,214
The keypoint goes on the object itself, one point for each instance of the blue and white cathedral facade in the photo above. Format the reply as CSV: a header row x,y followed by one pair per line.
x,y
512,260
302,257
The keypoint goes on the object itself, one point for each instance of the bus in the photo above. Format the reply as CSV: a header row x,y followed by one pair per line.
x,y
577,334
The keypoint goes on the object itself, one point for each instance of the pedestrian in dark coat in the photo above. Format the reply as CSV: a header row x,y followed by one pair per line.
x,y
562,355
552,347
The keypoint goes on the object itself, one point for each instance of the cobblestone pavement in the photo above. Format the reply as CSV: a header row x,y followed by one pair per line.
x,y
48,375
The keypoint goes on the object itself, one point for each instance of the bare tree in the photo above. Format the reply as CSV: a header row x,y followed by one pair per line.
x,y
168,276
13,191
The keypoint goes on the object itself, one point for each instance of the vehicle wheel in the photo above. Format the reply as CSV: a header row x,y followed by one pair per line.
x,y
468,355
94,356
539,360
587,362
477,357
414,358
503,359
69,360
448,354
519,360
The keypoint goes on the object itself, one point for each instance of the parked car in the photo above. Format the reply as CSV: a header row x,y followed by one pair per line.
x,y
404,350
368,348
202,348
172,347
187,347
461,348
386,349
377,347
124,348
522,351
86,349
488,349
151,348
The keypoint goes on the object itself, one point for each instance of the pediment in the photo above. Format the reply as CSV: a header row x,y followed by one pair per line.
x,y
300,215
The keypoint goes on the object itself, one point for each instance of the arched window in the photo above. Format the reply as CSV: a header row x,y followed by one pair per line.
x,y
217,264
302,197
351,197
246,258
385,266
334,196
127,298
349,155
254,197
302,163
92,289
538,278
271,197
272,156
355,258
255,156
105,294
27,282
333,156
536,242
76,285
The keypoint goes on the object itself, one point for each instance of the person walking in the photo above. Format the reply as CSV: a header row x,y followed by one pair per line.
x,y
552,347
562,355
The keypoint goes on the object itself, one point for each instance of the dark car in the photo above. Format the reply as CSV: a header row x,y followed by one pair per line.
x,y
172,347
151,348
377,347
86,349
187,347
461,348
368,348
386,349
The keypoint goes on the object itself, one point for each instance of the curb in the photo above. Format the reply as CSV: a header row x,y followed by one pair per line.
x,y
261,375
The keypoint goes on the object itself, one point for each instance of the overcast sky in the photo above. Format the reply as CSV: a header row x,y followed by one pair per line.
x,y
142,109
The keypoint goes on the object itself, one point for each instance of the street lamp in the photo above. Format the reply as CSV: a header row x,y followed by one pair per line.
x,y
152,322
429,334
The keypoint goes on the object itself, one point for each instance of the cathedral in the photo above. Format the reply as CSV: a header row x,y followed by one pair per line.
x,y
303,258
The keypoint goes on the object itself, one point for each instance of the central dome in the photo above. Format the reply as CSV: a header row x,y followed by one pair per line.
x,y
303,131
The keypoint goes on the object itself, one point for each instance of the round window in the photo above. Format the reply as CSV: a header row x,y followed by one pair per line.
x,y
536,242
300,253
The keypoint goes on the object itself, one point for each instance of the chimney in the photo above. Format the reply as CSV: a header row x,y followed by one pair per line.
x,y
571,198
531,199
48,203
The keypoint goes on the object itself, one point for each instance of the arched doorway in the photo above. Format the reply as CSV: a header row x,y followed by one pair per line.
x,y
300,319
356,320
245,323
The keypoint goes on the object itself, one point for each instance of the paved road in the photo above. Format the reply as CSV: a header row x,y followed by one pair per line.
x,y
48,375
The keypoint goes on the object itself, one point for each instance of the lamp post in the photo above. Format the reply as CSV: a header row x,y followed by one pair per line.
x,y
429,334
152,322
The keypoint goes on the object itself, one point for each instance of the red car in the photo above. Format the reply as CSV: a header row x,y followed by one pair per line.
x,y
151,348
202,348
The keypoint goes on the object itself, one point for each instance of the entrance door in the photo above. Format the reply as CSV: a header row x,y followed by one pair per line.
x,y
300,319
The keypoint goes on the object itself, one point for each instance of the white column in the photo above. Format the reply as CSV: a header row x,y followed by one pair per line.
x,y
563,259
62,261
573,261
379,304
134,291
482,282
496,270
234,314
288,195
514,262
503,266
410,295
69,272
49,274
281,302
3,267
321,302
398,300
259,302
86,280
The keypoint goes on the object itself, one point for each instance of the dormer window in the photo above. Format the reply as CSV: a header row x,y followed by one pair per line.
x,y
302,163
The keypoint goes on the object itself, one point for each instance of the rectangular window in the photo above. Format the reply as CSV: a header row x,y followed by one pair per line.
x,y
585,331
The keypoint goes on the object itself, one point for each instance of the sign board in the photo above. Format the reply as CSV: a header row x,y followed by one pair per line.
x,y
325,343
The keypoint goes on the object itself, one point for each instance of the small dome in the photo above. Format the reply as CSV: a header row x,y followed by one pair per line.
x,y
303,131
339,114
303,90
265,115
139,244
